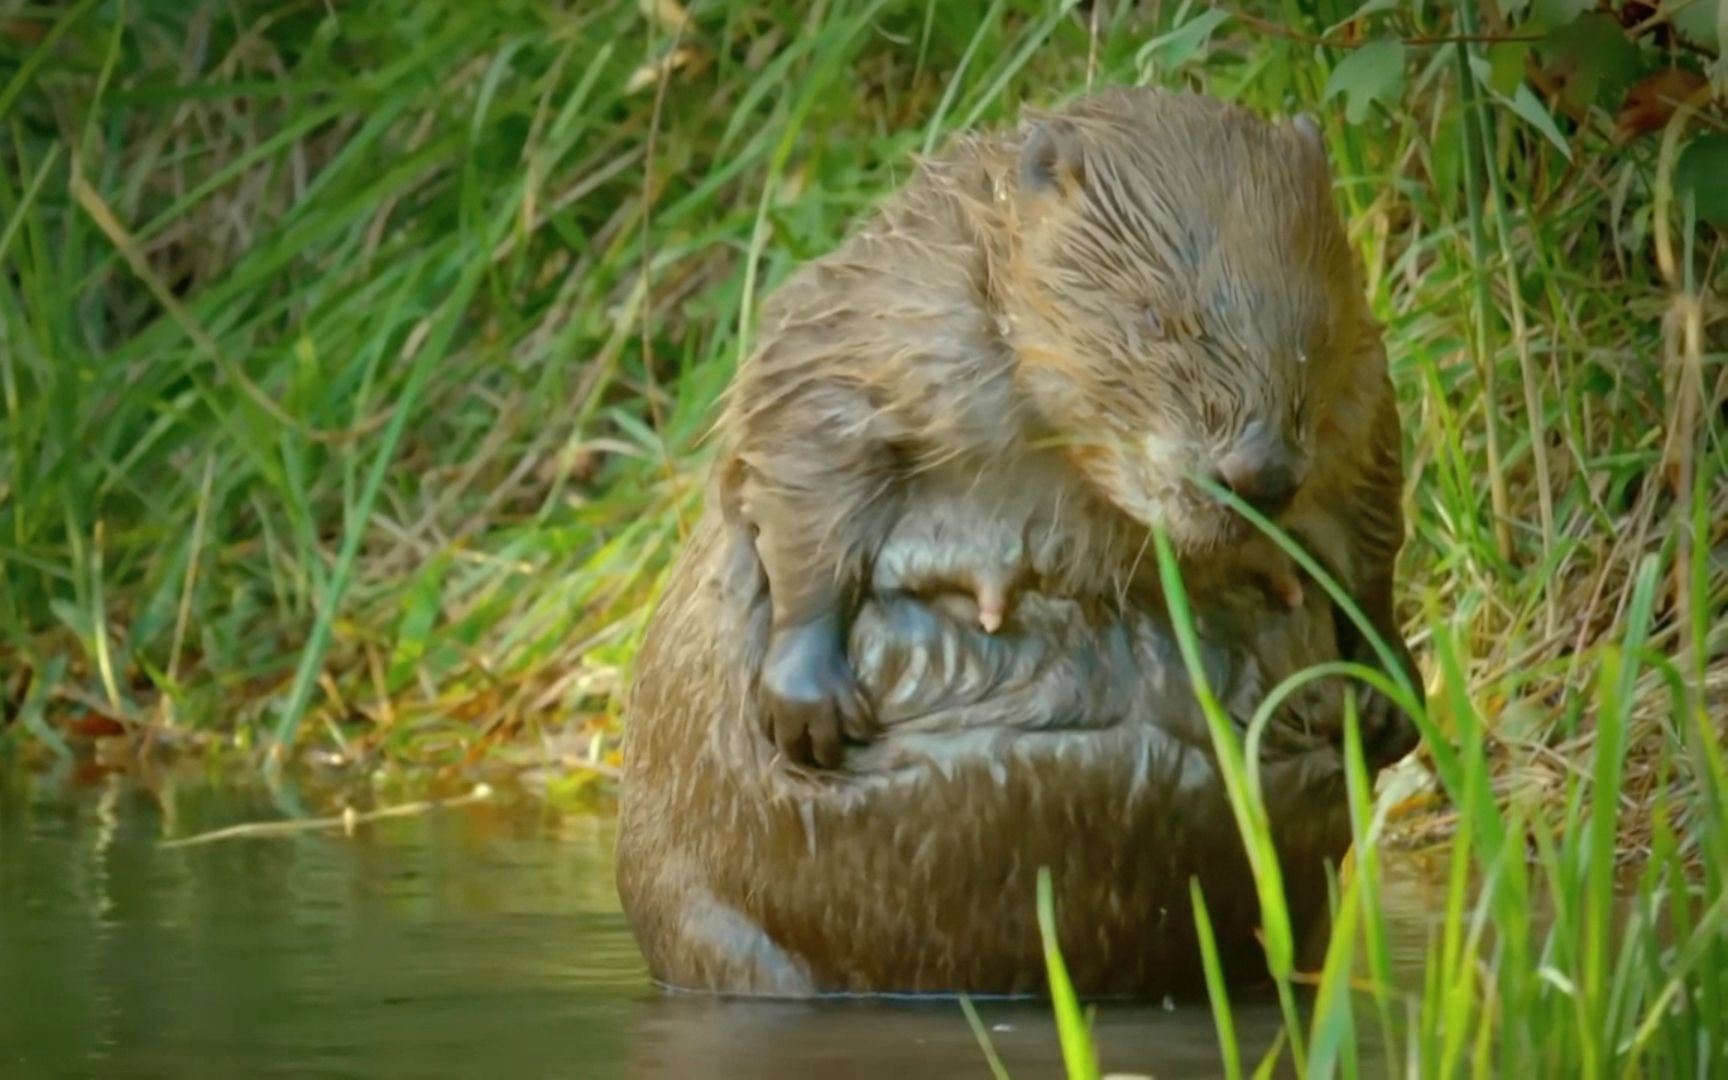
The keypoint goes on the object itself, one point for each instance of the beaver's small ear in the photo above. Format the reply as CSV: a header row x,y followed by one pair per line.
x,y
1052,159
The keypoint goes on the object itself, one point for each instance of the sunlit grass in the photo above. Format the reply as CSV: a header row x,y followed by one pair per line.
x,y
1605,980
355,362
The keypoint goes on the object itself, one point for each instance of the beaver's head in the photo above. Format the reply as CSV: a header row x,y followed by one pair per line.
x,y
1182,303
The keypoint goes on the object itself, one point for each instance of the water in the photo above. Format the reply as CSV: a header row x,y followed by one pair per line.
x,y
484,940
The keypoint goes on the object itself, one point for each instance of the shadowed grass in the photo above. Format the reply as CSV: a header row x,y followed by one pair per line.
x,y
355,361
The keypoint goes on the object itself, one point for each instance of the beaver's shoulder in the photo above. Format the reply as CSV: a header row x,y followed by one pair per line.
x,y
904,309
930,248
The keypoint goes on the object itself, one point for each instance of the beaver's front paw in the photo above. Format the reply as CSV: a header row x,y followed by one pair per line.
x,y
810,698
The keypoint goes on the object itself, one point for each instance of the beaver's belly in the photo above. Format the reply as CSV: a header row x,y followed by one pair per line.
x,y
928,884
914,868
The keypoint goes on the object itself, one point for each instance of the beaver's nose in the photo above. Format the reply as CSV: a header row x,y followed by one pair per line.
x,y
1263,470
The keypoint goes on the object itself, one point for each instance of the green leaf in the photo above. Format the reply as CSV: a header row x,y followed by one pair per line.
x,y
1593,58
1372,73
1699,175
1526,105
1536,114
1703,23
1506,65
1446,152
420,610
1273,81
71,616
1172,49
1372,7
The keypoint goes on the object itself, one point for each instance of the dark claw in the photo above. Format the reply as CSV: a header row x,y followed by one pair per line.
x,y
1388,733
811,701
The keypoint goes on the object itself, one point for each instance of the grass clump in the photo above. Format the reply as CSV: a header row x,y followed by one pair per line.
x,y
354,363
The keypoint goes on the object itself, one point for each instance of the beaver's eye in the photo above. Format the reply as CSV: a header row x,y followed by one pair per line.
x,y
1152,323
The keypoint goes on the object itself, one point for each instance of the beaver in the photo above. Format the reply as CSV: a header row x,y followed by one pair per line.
x,y
922,569
1157,287
1070,739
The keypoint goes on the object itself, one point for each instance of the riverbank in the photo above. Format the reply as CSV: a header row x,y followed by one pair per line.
x,y
385,463
355,362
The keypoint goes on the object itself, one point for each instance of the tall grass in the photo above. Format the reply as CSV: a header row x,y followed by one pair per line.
x,y
1606,981
355,359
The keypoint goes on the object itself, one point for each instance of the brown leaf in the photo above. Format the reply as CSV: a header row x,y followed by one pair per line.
x,y
1651,102
648,74
95,725
23,30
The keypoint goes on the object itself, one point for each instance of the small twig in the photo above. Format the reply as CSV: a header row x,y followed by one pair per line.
x,y
125,716
345,820
1333,41
645,318
1092,45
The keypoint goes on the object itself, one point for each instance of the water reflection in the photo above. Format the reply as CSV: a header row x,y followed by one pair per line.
x,y
486,939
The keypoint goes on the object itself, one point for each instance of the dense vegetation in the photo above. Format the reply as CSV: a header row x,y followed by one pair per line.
x,y
355,358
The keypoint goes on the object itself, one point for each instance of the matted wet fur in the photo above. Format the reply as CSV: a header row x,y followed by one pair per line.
x,y
996,386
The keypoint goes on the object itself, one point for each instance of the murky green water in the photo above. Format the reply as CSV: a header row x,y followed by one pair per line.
x,y
484,940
